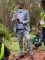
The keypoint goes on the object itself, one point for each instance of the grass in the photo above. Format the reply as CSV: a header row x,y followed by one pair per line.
x,y
42,48
14,46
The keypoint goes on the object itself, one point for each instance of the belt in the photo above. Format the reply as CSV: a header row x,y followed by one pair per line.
x,y
20,29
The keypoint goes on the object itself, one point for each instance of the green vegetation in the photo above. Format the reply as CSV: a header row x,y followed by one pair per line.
x,y
4,32
7,8
13,46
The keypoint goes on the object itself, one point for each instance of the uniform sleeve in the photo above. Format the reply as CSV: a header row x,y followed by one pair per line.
x,y
27,18
7,52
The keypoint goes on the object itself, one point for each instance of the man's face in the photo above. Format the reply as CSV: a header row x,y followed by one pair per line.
x,y
20,6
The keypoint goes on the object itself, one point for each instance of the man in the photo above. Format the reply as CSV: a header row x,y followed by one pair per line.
x,y
22,28
4,51
42,22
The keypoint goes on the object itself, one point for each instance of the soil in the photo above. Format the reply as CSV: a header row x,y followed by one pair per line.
x,y
39,55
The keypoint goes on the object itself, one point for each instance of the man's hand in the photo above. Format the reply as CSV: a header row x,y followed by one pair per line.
x,y
20,22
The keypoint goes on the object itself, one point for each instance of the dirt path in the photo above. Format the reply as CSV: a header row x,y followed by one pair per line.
x,y
39,55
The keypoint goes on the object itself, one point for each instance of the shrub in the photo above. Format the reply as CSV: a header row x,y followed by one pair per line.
x,y
4,32
13,34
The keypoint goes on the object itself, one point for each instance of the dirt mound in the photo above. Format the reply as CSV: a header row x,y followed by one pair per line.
x,y
39,55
